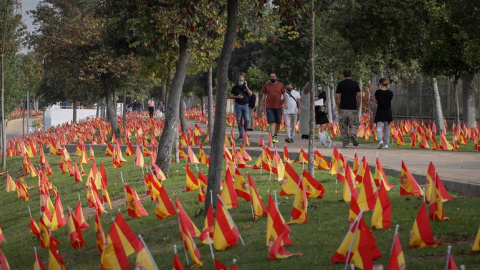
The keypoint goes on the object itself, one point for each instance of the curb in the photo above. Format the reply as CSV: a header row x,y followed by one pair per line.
x,y
469,189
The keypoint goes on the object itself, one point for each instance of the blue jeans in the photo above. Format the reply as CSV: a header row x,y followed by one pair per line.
x,y
243,113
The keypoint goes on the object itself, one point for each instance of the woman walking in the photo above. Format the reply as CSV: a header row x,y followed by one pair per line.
x,y
321,119
383,117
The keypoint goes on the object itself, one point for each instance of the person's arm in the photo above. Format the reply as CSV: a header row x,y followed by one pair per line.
x,y
359,98
262,102
233,96
337,100
248,89
299,100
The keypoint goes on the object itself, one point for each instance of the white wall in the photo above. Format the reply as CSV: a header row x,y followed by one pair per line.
x,y
54,115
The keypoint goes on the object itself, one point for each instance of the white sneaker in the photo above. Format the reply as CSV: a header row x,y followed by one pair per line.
x,y
380,145
386,146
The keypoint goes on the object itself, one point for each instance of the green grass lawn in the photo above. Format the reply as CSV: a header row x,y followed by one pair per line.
x,y
318,239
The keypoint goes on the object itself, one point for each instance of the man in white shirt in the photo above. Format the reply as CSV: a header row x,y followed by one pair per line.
x,y
292,111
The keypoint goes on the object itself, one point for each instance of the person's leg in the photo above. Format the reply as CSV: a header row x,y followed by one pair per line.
x,y
271,120
250,122
246,117
386,133
354,123
278,120
238,114
380,134
288,118
344,127
292,125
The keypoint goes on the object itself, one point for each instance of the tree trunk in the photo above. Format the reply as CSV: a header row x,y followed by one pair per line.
x,y
124,116
210,103
183,123
173,106
163,92
311,165
4,133
216,153
74,110
334,105
360,110
468,92
437,103
110,99
330,99
457,104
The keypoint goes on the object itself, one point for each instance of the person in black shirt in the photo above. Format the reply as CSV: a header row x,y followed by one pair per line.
x,y
347,98
383,117
240,93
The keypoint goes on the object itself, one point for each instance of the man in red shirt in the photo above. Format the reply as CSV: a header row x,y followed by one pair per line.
x,y
273,102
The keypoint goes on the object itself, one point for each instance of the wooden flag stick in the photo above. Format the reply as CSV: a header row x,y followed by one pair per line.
x,y
357,223
393,242
448,256
184,249
211,247
36,259
29,212
148,251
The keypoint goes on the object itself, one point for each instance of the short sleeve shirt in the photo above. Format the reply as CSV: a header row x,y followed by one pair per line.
x,y
384,98
292,106
348,90
274,94
236,90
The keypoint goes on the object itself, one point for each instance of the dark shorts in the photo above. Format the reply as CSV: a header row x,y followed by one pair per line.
x,y
274,115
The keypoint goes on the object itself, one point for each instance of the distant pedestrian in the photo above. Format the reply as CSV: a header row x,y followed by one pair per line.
x,y
291,111
321,118
273,102
240,93
151,106
347,98
305,111
252,100
383,116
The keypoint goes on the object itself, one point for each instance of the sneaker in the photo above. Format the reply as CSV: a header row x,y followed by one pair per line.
x,y
354,140
239,138
345,145
274,139
291,140
287,140
380,145
249,129
386,146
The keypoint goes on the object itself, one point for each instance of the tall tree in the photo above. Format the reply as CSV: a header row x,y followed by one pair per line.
x,y
12,26
311,166
218,137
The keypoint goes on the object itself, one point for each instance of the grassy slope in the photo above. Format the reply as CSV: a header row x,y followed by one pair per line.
x,y
318,239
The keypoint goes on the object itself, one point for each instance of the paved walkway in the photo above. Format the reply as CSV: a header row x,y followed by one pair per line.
x,y
457,166
14,127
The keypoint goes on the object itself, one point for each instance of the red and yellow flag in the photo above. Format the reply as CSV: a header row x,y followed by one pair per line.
x,y
290,182
10,184
275,224
208,225
228,194
421,234
100,235
241,186
476,243
164,207
300,206
121,242
259,209
313,188
366,192
277,249
226,232
58,219
191,182
382,213
139,157
74,232
408,184
380,176
397,258
79,216
186,222
135,207
55,261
